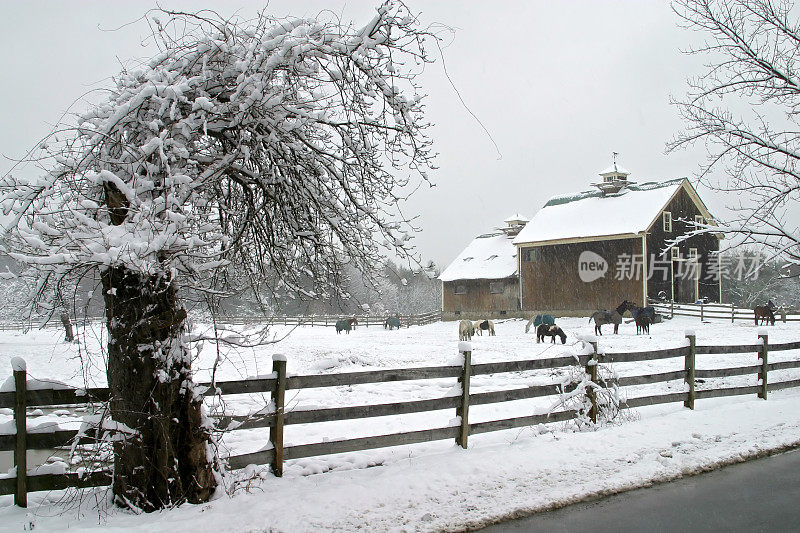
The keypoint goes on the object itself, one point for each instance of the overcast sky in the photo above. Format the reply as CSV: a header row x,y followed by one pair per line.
x,y
558,85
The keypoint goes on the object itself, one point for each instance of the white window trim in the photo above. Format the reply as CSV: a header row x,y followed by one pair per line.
x,y
675,253
666,219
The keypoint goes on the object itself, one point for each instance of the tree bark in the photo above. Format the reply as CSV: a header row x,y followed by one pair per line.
x,y
167,460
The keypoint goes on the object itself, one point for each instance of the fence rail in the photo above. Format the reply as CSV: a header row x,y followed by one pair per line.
x,y
285,320
720,311
275,454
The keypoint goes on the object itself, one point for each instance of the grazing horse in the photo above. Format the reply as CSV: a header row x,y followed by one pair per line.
x,y
538,320
392,323
765,314
550,330
345,325
465,330
642,323
485,325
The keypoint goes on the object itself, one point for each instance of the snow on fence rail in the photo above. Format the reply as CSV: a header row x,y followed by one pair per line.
x,y
278,383
721,311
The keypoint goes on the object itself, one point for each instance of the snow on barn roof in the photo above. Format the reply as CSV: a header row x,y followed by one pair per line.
x,y
488,256
591,214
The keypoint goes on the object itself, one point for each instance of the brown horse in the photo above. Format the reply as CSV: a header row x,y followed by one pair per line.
x,y
765,314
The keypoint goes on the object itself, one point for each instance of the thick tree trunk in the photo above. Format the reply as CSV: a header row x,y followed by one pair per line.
x,y
167,460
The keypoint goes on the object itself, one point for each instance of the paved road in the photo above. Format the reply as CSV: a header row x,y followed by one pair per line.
x,y
760,495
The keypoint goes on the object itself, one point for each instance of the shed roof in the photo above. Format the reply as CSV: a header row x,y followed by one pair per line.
x,y
488,256
589,214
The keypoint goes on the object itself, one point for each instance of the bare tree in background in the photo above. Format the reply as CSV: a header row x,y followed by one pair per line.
x,y
744,109
253,147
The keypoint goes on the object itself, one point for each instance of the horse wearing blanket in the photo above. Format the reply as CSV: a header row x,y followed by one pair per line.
x,y
486,325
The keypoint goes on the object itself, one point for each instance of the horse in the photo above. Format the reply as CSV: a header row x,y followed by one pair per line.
x,y
538,320
550,330
642,323
603,317
353,322
345,325
650,311
485,325
392,323
765,314
465,330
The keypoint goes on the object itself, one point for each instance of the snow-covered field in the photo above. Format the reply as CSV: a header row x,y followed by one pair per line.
x,y
434,486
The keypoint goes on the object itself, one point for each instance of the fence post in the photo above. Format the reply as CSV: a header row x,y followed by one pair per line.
x,y
591,369
762,374
462,410
733,313
278,397
671,309
689,367
701,312
21,438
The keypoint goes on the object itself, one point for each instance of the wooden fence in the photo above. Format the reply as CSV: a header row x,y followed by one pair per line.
x,y
278,383
720,311
303,320
330,320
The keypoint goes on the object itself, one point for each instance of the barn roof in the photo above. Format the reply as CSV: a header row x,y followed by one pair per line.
x,y
589,214
488,256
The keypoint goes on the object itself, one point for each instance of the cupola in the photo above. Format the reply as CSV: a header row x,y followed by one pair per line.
x,y
615,178
514,224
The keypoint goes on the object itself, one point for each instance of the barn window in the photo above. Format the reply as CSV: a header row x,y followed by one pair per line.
x,y
531,255
495,287
698,219
692,254
667,216
675,253
461,289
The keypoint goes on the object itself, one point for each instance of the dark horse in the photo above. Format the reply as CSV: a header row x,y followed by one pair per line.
x,y
765,314
552,331
642,323
607,317
649,311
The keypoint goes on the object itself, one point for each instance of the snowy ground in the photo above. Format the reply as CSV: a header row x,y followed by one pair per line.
x,y
436,486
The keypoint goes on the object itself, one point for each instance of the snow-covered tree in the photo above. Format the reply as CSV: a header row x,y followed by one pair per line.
x,y
744,109
246,147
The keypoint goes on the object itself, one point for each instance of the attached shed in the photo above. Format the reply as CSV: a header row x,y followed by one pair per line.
x,y
592,249
482,282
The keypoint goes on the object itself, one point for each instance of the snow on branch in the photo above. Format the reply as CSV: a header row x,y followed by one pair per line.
x,y
272,145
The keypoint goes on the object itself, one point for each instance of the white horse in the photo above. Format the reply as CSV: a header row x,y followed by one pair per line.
x,y
465,330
